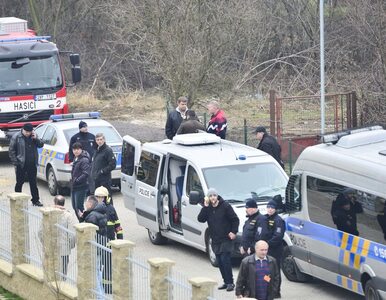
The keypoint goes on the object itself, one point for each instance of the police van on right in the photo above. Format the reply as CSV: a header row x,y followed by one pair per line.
x,y
336,214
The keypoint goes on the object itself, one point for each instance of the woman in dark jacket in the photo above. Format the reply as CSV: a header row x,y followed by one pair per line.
x,y
79,177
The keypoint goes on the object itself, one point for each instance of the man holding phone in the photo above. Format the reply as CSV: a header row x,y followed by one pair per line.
x,y
23,152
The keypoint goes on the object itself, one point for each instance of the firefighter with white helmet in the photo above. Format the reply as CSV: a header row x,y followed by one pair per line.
x,y
114,229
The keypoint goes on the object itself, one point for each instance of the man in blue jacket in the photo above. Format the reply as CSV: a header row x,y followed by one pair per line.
x,y
223,225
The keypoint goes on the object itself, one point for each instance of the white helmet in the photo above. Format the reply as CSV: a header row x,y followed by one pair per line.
x,y
101,192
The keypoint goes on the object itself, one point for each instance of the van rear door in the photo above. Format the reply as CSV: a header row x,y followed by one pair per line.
x,y
131,152
147,203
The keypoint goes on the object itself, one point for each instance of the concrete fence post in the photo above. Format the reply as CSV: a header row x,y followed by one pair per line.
x,y
202,288
85,232
159,269
19,230
49,239
123,276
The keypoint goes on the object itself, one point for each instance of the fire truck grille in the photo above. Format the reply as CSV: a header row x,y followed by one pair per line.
x,y
25,116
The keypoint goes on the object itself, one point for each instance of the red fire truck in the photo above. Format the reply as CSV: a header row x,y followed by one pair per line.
x,y
32,84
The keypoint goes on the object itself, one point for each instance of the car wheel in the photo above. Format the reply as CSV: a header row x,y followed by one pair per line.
x,y
211,254
156,238
371,292
290,269
52,183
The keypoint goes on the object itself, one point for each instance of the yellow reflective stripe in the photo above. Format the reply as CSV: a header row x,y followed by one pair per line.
x,y
354,245
344,241
110,223
344,282
365,249
117,221
53,154
355,286
346,258
357,261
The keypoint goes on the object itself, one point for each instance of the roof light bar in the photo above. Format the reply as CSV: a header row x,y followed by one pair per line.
x,y
35,38
334,137
75,116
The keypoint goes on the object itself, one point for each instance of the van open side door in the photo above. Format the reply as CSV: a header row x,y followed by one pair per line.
x,y
131,152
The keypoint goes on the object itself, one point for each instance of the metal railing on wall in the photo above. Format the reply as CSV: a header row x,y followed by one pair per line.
x,y
33,240
5,232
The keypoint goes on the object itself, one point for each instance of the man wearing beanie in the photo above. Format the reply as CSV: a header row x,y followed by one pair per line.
x,y
274,235
84,137
223,225
255,224
23,152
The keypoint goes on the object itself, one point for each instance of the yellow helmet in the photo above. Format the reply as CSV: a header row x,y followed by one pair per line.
x,y
101,192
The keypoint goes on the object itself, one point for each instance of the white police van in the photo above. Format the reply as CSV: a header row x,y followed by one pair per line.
x,y
54,165
158,177
352,160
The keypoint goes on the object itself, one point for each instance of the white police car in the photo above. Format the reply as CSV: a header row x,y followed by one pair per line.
x,y
54,165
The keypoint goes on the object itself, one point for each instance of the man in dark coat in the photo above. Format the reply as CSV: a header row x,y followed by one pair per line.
x,y
344,211
79,176
223,225
258,275
176,117
84,137
23,152
255,224
274,234
191,124
95,213
268,144
103,163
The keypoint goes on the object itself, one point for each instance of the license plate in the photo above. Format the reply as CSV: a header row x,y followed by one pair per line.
x,y
45,97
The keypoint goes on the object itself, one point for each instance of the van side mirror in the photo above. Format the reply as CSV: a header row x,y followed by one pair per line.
x,y
194,197
293,199
75,59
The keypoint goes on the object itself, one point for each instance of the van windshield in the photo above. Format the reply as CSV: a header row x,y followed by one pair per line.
x,y
240,182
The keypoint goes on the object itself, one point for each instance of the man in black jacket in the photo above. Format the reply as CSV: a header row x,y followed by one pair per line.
x,y
255,224
268,144
223,225
176,117
80,174
23,152
84,137
103,163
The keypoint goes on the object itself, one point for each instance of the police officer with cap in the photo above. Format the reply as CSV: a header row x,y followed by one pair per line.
x,y
84,137
274,235
254,225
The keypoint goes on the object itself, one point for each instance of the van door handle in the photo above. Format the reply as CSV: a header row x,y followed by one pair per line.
x,y
123,179
183,203
152,194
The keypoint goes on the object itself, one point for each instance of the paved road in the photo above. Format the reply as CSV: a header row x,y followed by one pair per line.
x,y
188,261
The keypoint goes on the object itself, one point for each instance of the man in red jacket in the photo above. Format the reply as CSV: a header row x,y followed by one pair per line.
x,y
218,122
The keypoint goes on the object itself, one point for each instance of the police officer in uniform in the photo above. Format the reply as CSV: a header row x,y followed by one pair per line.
x,y
274,235
254,225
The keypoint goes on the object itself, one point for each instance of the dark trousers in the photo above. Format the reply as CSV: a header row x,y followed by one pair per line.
x,y
225,265
31,171
77,200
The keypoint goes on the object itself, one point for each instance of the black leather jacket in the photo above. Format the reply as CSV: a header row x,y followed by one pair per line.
x,y
17,149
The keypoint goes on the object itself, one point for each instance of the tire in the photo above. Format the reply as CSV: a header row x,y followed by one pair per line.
x,y
209,251
156,238
53,187
290,269
371,292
